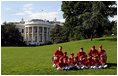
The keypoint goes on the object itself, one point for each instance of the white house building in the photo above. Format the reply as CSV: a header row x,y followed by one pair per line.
x,y
36,31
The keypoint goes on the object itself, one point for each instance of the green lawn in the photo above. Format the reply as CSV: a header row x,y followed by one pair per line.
x,y
37,60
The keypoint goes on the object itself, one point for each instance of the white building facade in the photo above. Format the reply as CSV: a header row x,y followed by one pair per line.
x,y
35,31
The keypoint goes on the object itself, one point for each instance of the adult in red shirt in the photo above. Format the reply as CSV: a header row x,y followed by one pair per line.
x,y
102,56
82,58
57,55
58,52
93,57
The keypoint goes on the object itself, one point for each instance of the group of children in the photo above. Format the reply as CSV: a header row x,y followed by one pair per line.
x,y
95,59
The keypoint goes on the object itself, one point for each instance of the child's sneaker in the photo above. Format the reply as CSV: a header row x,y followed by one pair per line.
x,y
100,67
104,66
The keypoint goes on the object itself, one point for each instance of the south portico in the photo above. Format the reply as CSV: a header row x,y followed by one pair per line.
x,y
36,34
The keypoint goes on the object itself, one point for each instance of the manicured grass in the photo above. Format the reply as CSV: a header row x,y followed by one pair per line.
x,y
37,60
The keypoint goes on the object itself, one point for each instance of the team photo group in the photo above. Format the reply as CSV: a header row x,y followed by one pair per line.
x,y
96,59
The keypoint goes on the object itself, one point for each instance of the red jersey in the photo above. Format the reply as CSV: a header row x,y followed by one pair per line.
x,y
60,65
93,53
72,58
101,53
102,56
55,61
58,53
64,58
81,55
71,61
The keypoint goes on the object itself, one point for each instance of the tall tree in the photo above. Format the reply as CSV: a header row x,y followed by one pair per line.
x,y
10,36
90,16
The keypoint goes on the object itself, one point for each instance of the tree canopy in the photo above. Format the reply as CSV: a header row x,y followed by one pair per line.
x,y
87,18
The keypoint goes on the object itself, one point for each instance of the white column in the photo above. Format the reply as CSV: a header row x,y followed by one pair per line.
x,y
28,33
47,34
25,34
43,34
37,34
32,33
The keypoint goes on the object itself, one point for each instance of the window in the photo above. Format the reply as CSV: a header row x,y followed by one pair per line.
x,y
45,30
40,30
30,29
35,29
26,29
22,30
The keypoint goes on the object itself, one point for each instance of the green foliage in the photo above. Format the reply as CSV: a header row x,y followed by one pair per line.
x,y
10,36
57,34
91,16
37,60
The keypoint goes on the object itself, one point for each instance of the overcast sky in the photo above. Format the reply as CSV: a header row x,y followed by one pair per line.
x,y
16,10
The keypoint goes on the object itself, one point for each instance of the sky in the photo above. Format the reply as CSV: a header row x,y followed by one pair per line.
x,y
14,11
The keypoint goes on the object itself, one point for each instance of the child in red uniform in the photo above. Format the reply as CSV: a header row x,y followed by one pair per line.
x,y
55,61
65,64
72,62
102,57
93,57
60,65
57,55
64,57
63,61
82,58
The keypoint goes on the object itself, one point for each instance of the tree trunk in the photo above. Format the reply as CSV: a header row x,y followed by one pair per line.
x,y
91,37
